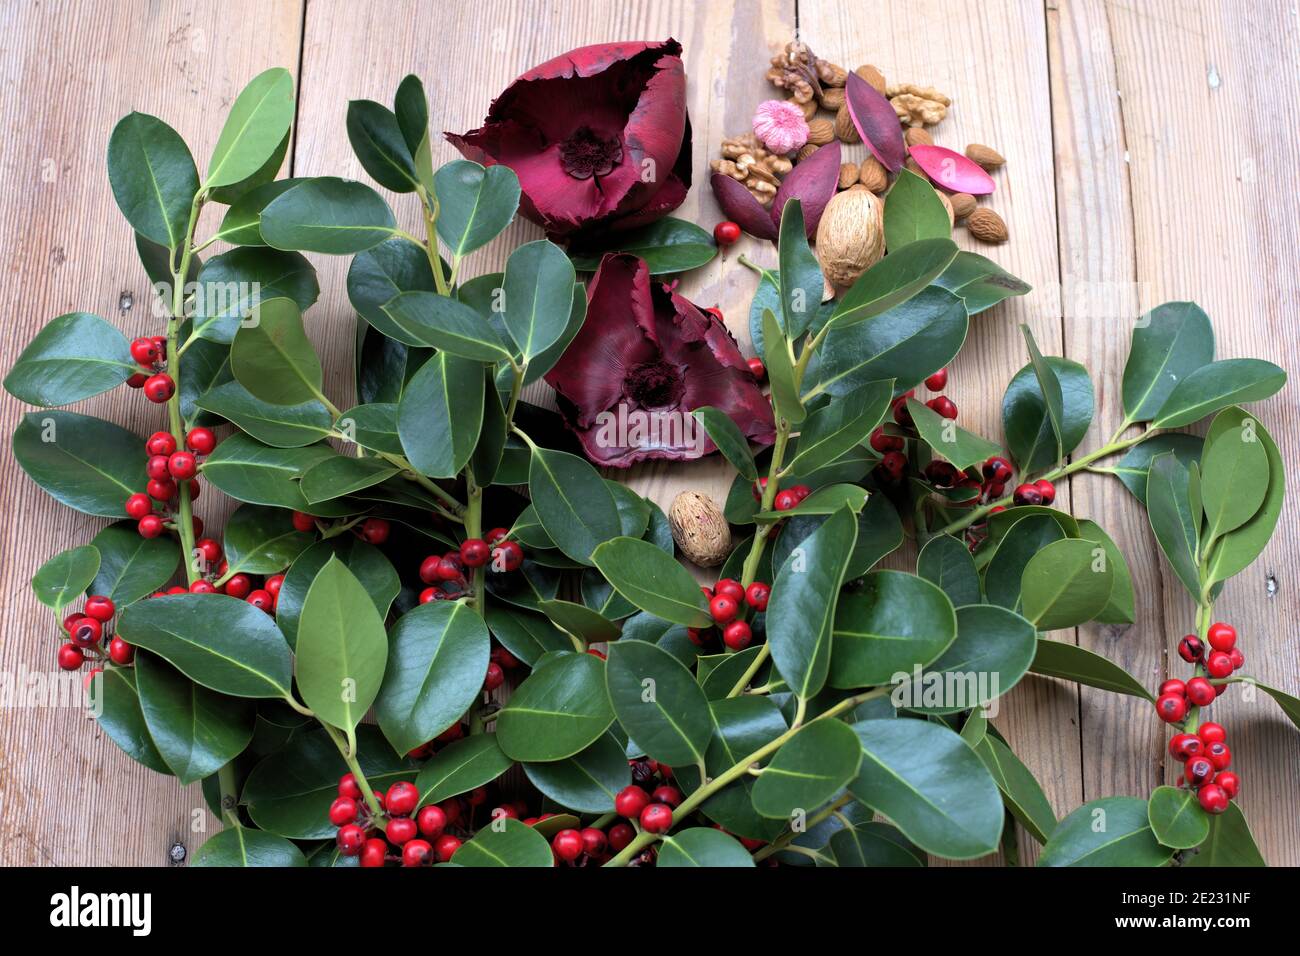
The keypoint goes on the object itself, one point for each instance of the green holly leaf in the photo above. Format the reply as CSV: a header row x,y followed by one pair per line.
x,y
75,356
1113,831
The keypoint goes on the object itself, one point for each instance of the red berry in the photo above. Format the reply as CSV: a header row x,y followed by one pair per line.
x,y
1184,746
239,586
261,600
737,635
496,535
139,505
893,463
937,381
943,405
997,469
70,657
1027,495
303,522
630,801
144,351
1219,664
474,552
1230,783
99,607
785,500
451,810
882,443
402,798
1190,648
177,589
941,474
593,841
1219,755
494,677
503,657
1046,490
1173,686
203,587
416,853
343,810
431,821
1213,798
1212,733
756,368
430,594
399,830
161,489
657,818
273,585
150,526
759,488
716,313
201,441
723,608
445,848
730,587
348,787
159,388
136,380
87,632
507,556
160,443
350,839
70,622
1200,691
667,794
161,342
156,467
568,845
1222,637
182,466
1171,708
505,811
1199,770
210,549
1238,659
620,835
757,594
726,233
374,530
901,413
120,652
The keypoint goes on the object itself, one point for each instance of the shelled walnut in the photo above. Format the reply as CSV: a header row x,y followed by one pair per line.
x,y
918,105
745,160
794,70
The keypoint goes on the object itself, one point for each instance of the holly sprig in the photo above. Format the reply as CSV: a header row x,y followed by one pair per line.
x,y
380,557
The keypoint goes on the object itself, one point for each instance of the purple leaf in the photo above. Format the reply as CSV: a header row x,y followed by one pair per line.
x,y
876,121
952,171
813,183
740,206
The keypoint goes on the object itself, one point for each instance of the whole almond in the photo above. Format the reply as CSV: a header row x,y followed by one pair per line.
x,y
845,131
963,204
985,156
805,151
916,135
850,236
873,76
820,131
809,108
985,225
700,529
832,97
848,174
873,175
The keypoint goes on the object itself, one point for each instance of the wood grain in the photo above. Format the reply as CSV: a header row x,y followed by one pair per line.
x,y
70,71
1129,173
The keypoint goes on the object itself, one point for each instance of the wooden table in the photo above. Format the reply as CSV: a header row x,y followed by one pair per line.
x,y
1151,153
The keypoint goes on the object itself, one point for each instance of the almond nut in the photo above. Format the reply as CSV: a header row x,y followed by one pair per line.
x,y
916,135
963,204
820,131
805,151
985,156
845,131
984,224
848,174
873,175
809,108
850,236
700,529
832,97
874,77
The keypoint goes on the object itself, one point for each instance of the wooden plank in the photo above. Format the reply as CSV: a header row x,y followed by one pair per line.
x,y
70,72
1153,95
722,44
997,86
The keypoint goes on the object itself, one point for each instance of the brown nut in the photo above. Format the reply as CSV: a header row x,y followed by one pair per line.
x,y
845,131
832,98
700,529
985,225
874,77
873,175
915,135
963,204
805,151
985,156
820,131
848,174
850,236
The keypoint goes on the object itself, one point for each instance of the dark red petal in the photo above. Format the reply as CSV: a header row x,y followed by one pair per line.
x,y
739,205
952,170
617,334
813,183
876,121
594,59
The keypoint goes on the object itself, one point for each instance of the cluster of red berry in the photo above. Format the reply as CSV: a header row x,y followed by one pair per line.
x,y
150,353
893,463
1203,747
90,633
166,466
411,840
729,604
446,573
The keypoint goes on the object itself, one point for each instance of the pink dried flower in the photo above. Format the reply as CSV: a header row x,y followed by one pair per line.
x,y
780,126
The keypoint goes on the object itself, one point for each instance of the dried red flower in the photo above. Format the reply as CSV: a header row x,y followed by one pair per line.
x,y
645,359
599,137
